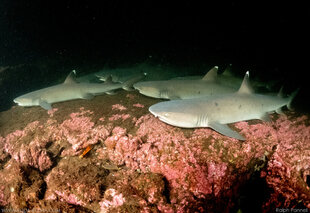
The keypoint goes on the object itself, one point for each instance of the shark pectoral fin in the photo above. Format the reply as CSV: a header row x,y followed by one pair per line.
x,y
45,105
87,96
224,129
265,117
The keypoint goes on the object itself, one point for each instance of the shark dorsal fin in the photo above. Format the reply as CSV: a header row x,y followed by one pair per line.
x,y
281,93
211,75
70,78
227,71
245,87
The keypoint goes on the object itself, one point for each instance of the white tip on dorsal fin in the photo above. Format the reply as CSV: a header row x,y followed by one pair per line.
x,y
245,87
211,75
70,78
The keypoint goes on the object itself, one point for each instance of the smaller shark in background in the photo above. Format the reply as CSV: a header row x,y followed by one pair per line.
x,y
185,88
70,90
218,111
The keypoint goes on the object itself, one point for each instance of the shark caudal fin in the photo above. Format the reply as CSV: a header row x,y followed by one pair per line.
x,y
291,98
128,85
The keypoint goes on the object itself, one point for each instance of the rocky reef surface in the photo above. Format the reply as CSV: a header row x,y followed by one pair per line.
x,y
136,163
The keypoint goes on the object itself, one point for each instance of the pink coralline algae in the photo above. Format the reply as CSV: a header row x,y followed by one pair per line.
x,y
80,131
288,168
149,166
167,151
118,107
119,116
78,182
203,163
32,153
19,185
138,105
121,146
3,153
131,191
130,96
52,111
112,199
28,146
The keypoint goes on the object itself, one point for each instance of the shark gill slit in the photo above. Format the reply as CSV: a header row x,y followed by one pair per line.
x,y
202,120
164,94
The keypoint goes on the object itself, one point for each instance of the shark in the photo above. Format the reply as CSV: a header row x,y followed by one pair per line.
x,y
70,90
185,88
228,78
218,111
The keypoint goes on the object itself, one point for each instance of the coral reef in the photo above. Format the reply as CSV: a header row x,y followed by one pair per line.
x,y
144,165
76,182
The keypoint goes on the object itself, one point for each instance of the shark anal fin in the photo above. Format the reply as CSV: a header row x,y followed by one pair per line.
x,y
87,96
224,129
45,105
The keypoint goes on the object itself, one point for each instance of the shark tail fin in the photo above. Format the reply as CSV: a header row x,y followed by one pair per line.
x,y
127,85
291,98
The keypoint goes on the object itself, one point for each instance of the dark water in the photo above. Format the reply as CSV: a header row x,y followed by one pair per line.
x,y
42,42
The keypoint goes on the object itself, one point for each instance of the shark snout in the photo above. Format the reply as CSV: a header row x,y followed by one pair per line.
x,y
16,101
21,101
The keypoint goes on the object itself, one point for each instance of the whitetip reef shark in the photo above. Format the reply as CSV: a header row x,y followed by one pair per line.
x,y
70,90
185,88
218,111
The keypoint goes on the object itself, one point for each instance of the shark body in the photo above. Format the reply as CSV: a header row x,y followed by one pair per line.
x,y
185,88
218,111
70,90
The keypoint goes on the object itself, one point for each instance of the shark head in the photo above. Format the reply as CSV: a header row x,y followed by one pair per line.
x,y
170,114
24,101
146,88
